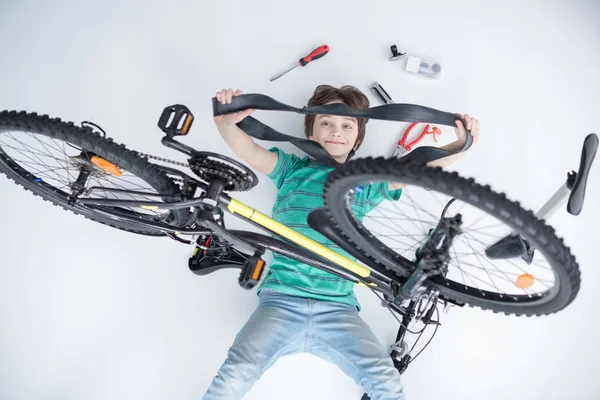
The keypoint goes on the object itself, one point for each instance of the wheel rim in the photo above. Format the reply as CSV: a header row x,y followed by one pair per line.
x,y
399,227
53,165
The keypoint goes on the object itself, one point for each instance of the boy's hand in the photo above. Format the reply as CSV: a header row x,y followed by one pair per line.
x,y
225,96
472,125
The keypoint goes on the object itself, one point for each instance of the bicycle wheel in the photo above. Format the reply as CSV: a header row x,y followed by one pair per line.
x,y
390,233
47,156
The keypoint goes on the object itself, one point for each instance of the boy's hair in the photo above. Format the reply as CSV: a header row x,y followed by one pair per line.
x,y
348,95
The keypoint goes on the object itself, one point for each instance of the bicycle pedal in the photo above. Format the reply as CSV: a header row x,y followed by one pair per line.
x,y
176,120
252,271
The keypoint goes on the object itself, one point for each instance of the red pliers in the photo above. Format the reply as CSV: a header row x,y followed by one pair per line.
x,y
403,148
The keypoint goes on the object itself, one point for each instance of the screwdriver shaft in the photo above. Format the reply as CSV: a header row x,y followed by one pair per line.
x,y
284,72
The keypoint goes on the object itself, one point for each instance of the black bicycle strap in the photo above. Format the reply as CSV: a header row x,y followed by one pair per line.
x,y
387,112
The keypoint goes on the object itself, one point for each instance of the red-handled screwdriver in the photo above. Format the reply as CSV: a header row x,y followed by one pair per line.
x,y
315,55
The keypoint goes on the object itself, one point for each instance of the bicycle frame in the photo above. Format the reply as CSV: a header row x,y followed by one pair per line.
x,y
313,252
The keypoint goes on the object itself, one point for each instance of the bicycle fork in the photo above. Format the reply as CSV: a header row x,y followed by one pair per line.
x,y
432,257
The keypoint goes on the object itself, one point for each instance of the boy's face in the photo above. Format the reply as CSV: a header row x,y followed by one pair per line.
x,y
336,134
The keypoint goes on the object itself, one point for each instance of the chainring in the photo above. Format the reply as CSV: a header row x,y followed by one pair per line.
x,y
211,166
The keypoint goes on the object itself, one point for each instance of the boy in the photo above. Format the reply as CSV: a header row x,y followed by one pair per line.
x,y
301,308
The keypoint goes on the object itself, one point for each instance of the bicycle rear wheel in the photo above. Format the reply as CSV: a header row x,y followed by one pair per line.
x,y
390,234
47,156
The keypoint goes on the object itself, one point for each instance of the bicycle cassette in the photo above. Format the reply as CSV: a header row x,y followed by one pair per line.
x,y
211,166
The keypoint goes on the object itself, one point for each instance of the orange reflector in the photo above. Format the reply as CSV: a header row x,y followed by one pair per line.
x,y
525,281
257,269
188,122
106,166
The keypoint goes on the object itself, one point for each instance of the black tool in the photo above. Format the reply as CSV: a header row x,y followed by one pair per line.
x,y
396,55
381,93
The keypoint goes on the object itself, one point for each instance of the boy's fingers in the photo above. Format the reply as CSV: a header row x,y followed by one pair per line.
x,y
468,121
238,92
465,117
459,124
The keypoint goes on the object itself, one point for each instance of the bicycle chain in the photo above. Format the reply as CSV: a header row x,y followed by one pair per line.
x,y
167,161
239,183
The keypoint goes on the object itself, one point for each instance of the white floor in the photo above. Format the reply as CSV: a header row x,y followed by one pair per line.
x,y
89,312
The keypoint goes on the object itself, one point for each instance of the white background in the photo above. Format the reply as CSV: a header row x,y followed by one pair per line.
x,y
89,312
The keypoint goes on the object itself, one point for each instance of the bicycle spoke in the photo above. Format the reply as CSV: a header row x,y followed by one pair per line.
x,y
398,240
118,186
441,203
477,255
507,260
483,215
38,139
394,227
456,259
25,154
504,273
7,146
421,208
65,157
42,174
52,161
126,194
393,239
138,186
387,218
486,271
496,237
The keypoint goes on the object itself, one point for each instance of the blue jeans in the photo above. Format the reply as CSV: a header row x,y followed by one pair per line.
x,y
283,325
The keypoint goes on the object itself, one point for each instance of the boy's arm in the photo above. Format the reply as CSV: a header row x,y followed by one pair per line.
x,y
239,141
244,146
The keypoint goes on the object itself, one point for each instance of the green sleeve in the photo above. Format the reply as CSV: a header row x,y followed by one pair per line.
x,y
286,163
370,196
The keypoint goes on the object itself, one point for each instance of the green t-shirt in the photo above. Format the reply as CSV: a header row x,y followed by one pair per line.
x,y
300,182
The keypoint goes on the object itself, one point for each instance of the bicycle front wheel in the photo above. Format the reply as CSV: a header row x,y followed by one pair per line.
x,y
544,280
47,157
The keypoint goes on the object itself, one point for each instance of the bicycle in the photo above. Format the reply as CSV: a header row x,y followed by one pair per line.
x,y
524,268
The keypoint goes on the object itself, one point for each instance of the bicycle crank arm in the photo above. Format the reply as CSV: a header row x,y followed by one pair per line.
x,y
175,145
